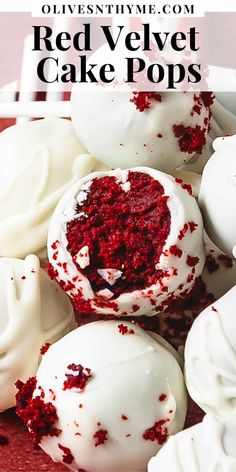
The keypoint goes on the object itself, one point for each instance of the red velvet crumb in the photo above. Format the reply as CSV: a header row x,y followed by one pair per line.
x,y
79,379
191,140
211,264
176,251
44,348
101,437
192,261
124,417
187,187
123,329
125,231
142,100
67,456
208,98
214,309
158,432
162,397
52,273
38,415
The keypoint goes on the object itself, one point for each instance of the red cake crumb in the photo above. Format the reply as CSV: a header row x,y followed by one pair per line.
x,y
44,348
52,273
123,329
162,397
125,231
214,309
124,417
192,261
158,432
191,140
4,441
211,264
198,104
192,226
79,379
38,415
101,437
142,100
67,456
176,251
187,187
183,231
208,98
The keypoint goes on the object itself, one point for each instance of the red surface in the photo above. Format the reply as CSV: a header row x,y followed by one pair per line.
x,y
20,454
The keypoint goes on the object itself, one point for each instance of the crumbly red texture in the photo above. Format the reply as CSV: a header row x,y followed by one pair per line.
x,y
158,432
162,397
191,226
214,309
191,140
44,348
185,186
67,457
78,379
123,230
101,436
208,98
192,261
176,251
211,264
39,416
142,100
123,329
124,417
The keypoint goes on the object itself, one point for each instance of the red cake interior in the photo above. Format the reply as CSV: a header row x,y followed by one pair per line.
x,y
123,230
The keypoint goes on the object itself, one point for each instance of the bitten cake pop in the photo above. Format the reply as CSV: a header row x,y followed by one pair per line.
x,y
41,159
208,446
210,358
33,311
217,196
125,129
106,397
126,242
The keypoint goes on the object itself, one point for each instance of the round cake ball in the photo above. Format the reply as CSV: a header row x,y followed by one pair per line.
x,y
34,312
210,359
106,397
126,242
41,159
124,129
218,195
208,446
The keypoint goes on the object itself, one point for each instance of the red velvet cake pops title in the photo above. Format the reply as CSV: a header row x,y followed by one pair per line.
x,y
145,57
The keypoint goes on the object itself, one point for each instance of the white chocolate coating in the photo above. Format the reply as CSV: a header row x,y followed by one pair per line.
x,y
119,135
223,123
183,209
217,196
39,161
223,278
129,372
33,311
206,447
210,358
